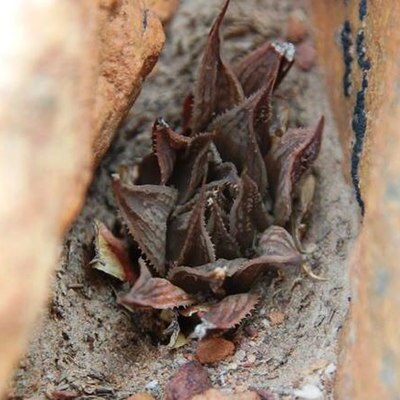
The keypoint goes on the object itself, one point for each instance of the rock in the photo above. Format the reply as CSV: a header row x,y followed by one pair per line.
x,y
189,380
305,55
368,119
164,9
297,29
214,349
308,392
60,103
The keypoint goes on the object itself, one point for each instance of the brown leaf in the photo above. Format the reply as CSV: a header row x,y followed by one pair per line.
x,y
191,166
225,245
248,214
145,209
227,313
236,140
217,88
166,143
278,251
213,350
270,62
215,394
112,255
204,278
189,242
191,379
152,292
289,160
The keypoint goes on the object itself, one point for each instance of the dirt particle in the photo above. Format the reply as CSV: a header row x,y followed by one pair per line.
x,y
63,395
214,350
276,317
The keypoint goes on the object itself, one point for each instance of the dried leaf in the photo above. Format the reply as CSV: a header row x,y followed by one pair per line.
x,y
145,209
270,62
248,214
288,161
152,292
217,88
191,379
112,255
227,313
215,349
301,208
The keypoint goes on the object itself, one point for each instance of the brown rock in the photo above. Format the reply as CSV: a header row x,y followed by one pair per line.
x,y
164,9
191,379
305,55
214,394
297,29
58,97
369,113
214,349
127,53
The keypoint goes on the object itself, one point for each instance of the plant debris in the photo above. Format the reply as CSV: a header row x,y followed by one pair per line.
x,y
210,208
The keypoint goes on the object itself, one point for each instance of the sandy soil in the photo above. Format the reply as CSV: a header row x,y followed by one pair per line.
x,y
86,342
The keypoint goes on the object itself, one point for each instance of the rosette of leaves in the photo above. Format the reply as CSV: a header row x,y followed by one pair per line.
x,y
211,207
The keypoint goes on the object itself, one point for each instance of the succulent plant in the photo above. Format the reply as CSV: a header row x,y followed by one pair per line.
x,y
211,207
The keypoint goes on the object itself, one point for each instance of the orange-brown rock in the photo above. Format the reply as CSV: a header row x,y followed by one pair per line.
x,y
215,349
164,9
69,72
363,77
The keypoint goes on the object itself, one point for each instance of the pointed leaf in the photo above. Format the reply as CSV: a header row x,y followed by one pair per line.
x,y
288,161
145,210
217,88
248,214
112,255
166,143
224,244
270,62
191,166
156,293
236,141
197,248
227,313
278,251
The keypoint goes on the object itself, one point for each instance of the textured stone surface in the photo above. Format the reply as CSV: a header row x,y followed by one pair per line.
x,y
56,98
363,76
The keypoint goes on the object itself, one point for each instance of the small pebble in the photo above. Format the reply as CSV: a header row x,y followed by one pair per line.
x,y
309,392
